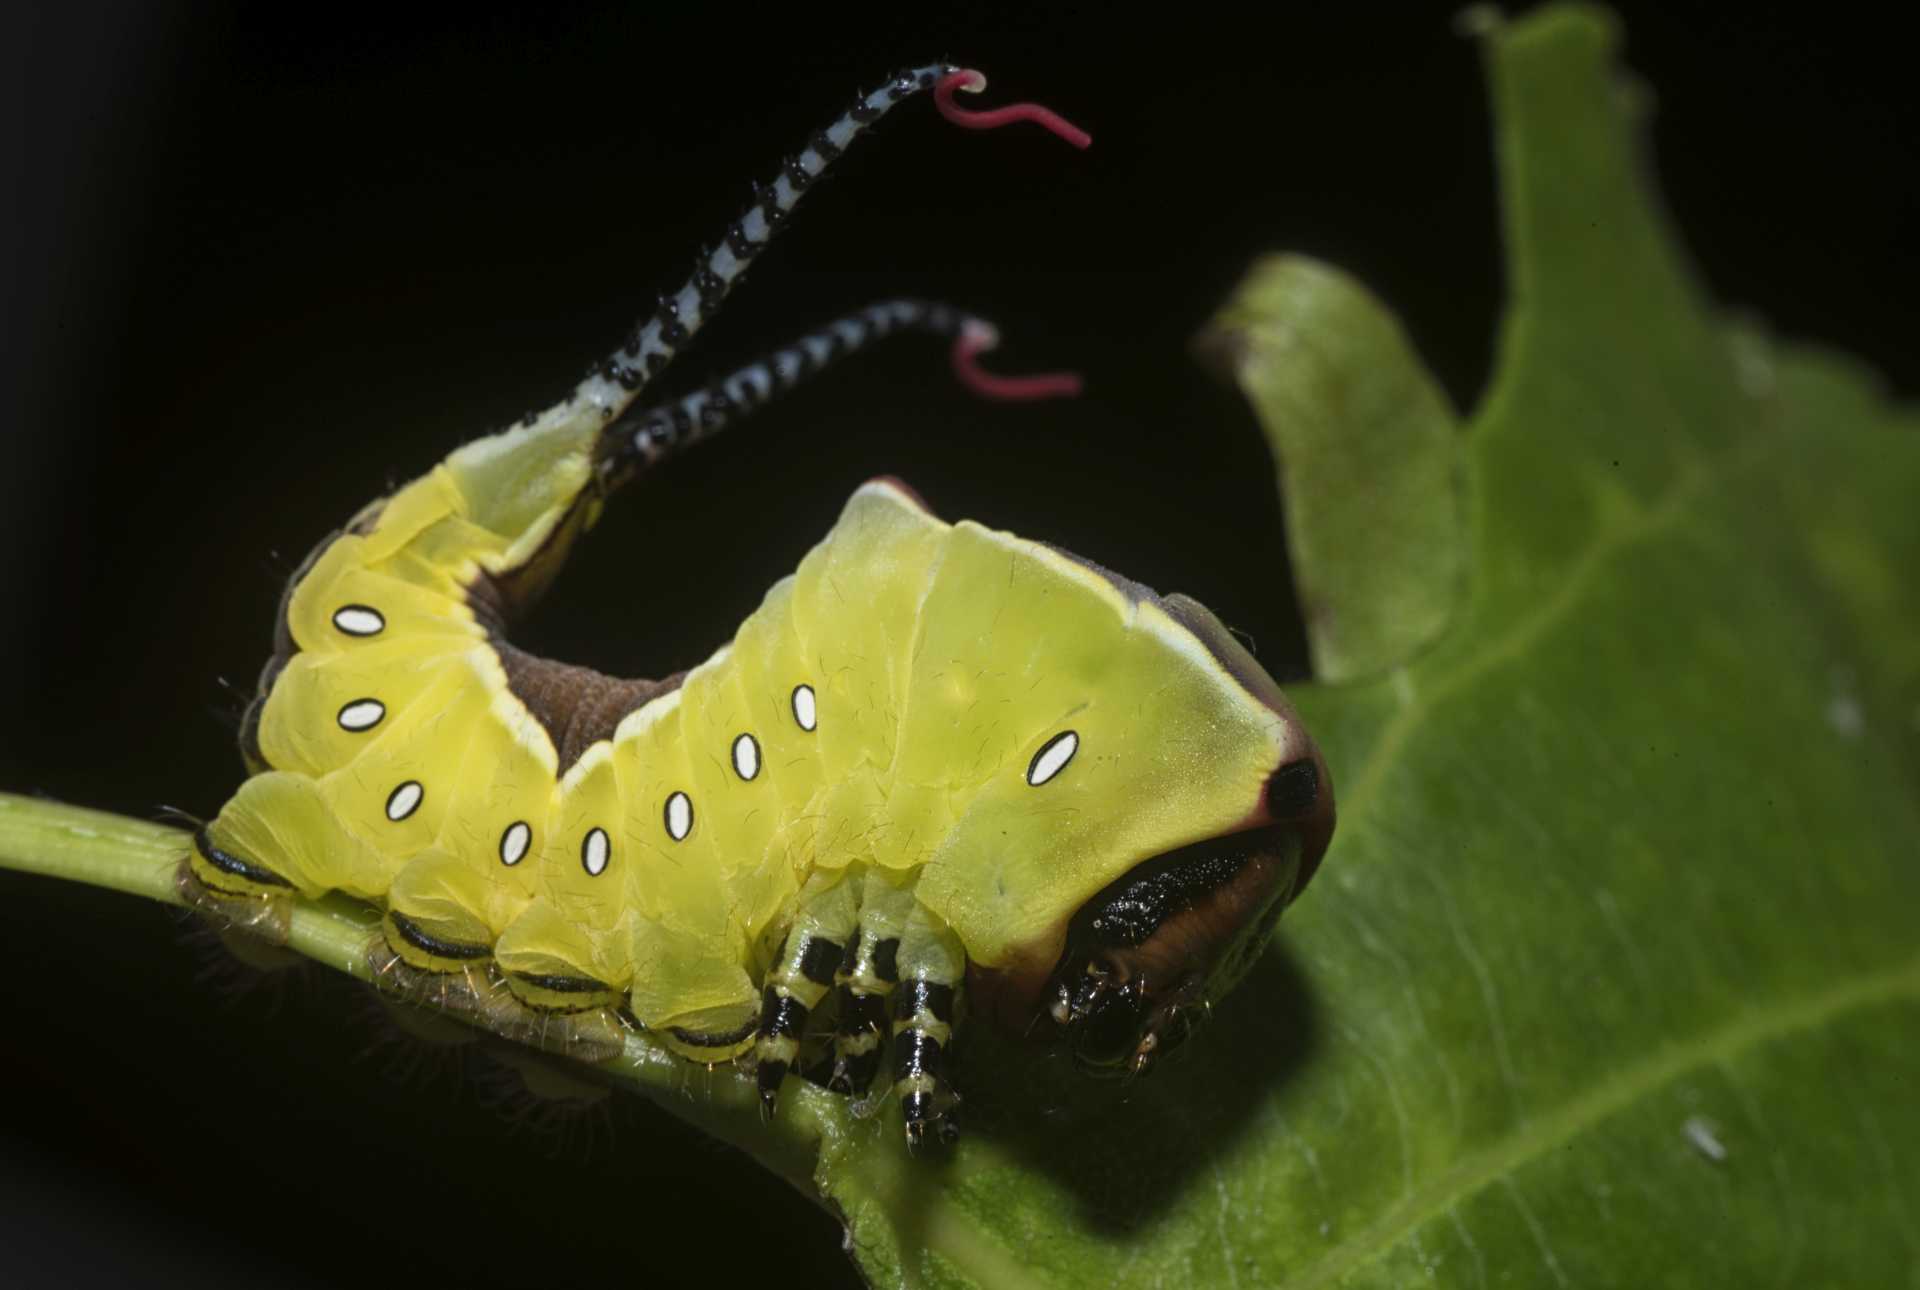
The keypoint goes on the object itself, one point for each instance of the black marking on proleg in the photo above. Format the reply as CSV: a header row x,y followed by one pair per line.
x,y
781,1015
928,996
854,1075
714,1038
886,959
413,934
1293,790
915,1052
227,862
562,984
861,1011
769,1078
819,960
918,1108
818,1072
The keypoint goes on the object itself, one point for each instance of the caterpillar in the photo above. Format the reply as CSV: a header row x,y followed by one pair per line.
x,y
941,773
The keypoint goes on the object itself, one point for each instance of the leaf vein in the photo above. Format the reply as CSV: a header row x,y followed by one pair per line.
x,y
1499,1160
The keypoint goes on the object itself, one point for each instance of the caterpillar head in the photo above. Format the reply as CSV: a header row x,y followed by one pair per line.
x,y
1144,959
1136,801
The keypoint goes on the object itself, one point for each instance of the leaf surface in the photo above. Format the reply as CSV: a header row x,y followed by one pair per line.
x,y
1369,460
1611,977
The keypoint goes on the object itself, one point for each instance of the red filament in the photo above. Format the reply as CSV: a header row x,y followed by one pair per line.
x,y
993,118
976,339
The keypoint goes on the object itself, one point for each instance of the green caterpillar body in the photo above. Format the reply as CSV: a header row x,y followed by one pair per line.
x,y
938,763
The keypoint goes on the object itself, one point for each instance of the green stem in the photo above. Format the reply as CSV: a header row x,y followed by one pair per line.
x,y
854,1167
141,859
93,847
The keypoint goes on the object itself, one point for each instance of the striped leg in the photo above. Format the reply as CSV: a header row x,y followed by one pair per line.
x,y
799,980
932,967
866,978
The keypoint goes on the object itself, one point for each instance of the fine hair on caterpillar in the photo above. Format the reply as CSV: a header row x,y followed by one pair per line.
x,y
943,776
565,1107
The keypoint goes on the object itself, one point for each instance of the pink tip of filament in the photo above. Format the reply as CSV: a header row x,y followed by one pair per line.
x,y
992,119
975,340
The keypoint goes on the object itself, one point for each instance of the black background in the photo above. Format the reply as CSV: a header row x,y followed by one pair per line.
x,y
265,262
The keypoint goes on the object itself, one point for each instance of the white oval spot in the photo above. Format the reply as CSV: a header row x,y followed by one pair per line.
x,y
594,852
359,620
362,714
1052,757
404,800
679,816
514,843
746,757
804,710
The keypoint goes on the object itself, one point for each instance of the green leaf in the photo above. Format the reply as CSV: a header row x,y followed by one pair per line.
x,y
1611,976
1368,454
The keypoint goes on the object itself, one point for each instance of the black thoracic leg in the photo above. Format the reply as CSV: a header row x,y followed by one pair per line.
x,y
800,978
932,966
866,978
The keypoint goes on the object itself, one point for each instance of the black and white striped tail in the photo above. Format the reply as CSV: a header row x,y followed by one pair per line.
x,y
611,387
614,384
644,438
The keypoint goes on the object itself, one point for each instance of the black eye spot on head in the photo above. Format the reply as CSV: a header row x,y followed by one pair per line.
x,y
1110,1021
1293,790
